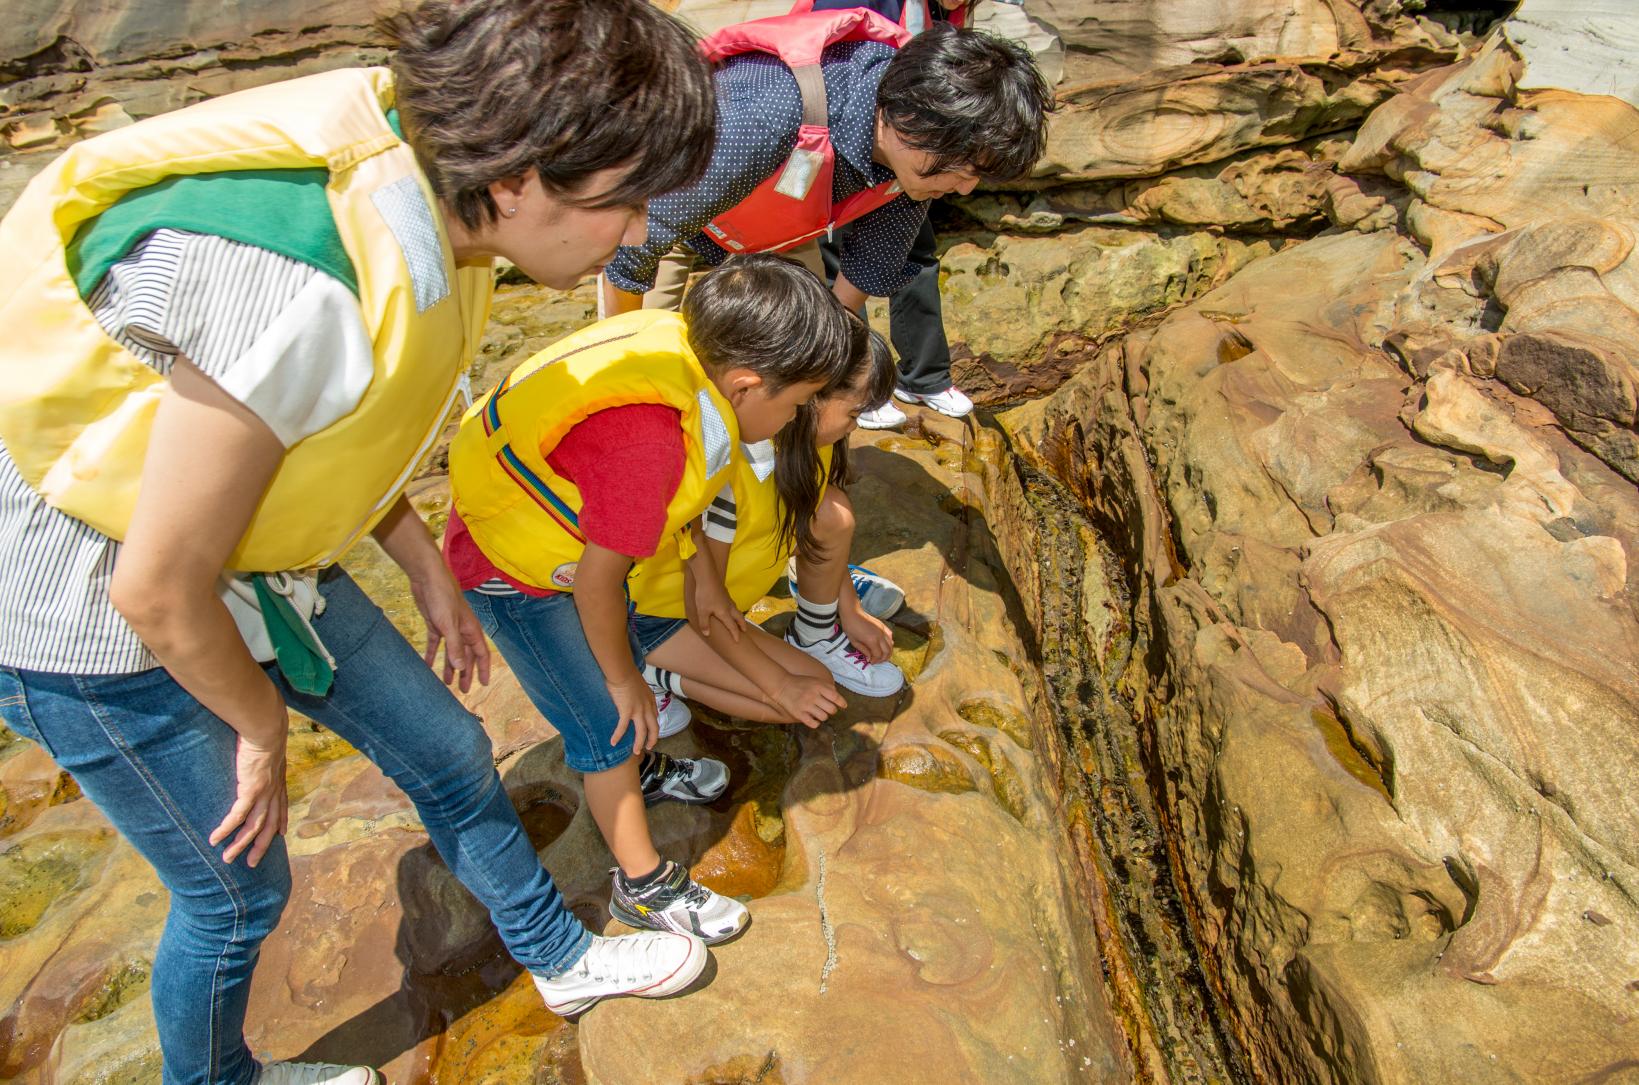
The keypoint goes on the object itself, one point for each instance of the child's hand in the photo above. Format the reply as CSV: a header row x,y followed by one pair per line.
x,y
634,701
810,701
868,633
712,602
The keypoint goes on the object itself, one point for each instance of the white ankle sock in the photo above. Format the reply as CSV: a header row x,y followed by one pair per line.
x,y
814,622
670,681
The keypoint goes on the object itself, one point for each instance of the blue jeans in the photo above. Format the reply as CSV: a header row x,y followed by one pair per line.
x,y
161,767
542,641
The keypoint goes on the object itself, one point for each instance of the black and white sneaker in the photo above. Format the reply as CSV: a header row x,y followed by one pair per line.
x,y
676,902
692,780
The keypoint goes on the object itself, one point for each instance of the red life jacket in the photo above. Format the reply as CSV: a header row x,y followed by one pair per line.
x,y
794,205
913,15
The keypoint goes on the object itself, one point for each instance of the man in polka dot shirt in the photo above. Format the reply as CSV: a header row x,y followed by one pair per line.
x,y
948,109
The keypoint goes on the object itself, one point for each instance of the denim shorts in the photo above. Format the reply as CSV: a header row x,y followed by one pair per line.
x,y
541,639
651,632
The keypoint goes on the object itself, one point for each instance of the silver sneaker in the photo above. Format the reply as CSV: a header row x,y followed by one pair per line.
x,y
676,902
693,780
315,1073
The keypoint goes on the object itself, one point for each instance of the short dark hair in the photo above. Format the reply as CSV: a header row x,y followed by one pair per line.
x,y
490,89
970,99
771,315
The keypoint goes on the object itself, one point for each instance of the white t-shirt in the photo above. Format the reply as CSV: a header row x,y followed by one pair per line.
x,y
280,336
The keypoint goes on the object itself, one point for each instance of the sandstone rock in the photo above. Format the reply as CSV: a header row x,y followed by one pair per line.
x,y
890,924
1585,47
1284,190
1028,310
58,33
1381,611
1126,38
1173,117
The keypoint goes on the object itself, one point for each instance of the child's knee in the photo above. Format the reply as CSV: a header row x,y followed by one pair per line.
x,y
834,519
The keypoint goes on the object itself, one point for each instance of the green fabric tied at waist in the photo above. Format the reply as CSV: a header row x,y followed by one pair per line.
x,y
300,656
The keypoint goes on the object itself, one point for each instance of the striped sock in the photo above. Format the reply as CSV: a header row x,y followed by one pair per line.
x,y
814,621
658,678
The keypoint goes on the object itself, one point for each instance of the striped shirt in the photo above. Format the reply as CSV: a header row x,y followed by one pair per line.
x,y
281,337
722,517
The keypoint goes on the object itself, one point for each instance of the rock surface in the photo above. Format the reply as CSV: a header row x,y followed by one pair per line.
x,y
912,914
904,864
1373,503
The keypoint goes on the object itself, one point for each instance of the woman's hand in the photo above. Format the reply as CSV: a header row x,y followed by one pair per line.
x,y
451,622
869,634
261,807
634,702
809,701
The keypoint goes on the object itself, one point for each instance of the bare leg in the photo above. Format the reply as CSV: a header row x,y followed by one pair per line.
x,y
822,582
616,802
711,680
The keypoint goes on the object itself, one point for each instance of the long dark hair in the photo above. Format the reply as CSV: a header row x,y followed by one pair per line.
x,y
799,474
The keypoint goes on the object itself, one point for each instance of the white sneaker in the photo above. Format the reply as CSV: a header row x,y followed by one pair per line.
x,y
315,1073
878,596
650,964
676,902
851,669
886,416
952,401
674,712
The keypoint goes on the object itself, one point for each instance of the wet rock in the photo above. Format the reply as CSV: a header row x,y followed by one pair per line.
x,y
888,924
1124,38
1373,504
29,783
1023,312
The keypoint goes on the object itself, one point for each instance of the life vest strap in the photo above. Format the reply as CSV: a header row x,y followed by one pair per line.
x,y
811,83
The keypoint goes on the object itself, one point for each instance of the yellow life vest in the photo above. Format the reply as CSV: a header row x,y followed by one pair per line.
x,y
76,409
522,514
756,558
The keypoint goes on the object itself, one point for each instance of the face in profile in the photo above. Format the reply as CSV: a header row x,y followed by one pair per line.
x,y
912,168
837,415
762,413
557,239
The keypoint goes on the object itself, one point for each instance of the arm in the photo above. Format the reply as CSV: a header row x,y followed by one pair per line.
x,y
873,254
600,599
612,300
706,596
851,296
867,632
449,619
209,460
805,700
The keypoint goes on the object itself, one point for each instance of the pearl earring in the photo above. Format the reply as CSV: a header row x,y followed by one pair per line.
x,y
511,211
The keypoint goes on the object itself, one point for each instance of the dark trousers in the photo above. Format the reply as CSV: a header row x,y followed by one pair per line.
x,y
916,324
